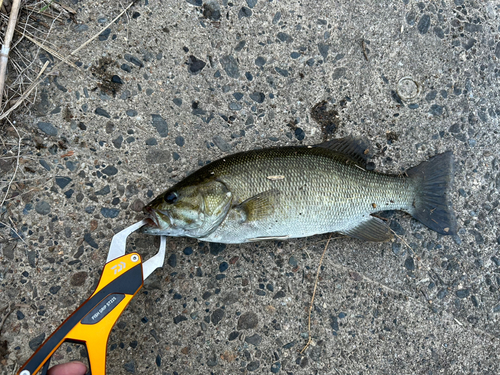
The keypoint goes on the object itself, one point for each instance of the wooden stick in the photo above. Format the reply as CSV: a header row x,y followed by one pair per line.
x,y
4,53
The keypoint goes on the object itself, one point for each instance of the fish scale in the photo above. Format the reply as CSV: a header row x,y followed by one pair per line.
x,y
299,191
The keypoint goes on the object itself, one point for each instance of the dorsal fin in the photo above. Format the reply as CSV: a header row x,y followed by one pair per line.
x,y
356,149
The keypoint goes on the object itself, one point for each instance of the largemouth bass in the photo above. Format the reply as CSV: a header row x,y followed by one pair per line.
x,y
299,191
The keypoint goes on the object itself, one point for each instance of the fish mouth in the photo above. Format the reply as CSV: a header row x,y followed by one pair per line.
x,y
152,219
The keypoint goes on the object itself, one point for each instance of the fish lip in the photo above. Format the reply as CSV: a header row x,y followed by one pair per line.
x,y
155,217
152,217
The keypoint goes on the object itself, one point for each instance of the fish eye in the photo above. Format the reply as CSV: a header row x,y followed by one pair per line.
x,y
170,198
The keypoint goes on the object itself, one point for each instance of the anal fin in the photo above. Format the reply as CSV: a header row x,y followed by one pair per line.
x,y
372,229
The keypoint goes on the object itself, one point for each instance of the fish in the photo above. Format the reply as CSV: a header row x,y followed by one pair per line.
x,y
299,191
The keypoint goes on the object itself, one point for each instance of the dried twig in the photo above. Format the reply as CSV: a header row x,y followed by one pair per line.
x,y
4,53
17,164
365,53
10,309
314,294
49,50
56,66
401,239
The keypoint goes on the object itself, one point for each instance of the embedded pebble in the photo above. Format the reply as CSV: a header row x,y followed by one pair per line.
x,y
279,294
284,37
211,10
244,12
43,208
102,112
34,343
276,18
62,181
160,125
134,60
221,143
157,156
423,24
217,316
299,134
104,34
110,213
104,191
252,366
323,49
283,72
78,279
275,367
248,320
87,237
410,264
442,293
179,318
54,289
230,66
195,65
397,228
338,73
260,61
130,366
255,339
117,142
257,97
110,170
47,128
223,267
436,110
212,360
251,3
179,141
462,293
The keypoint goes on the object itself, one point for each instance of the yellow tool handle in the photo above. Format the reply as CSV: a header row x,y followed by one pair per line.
x,y
92,322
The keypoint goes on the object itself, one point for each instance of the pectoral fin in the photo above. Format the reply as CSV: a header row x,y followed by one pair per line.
x,y
372,229
259,206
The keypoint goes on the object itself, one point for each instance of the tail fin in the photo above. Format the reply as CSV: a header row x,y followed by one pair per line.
x,y
431,206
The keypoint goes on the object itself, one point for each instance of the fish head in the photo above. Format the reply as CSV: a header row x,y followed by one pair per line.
x,y
188,210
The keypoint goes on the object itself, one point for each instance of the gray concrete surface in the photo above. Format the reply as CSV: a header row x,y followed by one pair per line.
x,y
196,82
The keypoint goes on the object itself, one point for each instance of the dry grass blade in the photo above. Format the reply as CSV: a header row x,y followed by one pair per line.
x,y
401,239
56,66
48,49
314,294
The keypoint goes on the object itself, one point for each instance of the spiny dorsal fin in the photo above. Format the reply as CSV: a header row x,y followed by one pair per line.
x,y
356,149
372,229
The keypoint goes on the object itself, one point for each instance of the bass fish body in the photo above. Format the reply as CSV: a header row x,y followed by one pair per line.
x,y
299,191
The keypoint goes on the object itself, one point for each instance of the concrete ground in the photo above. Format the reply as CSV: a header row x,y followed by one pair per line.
x,y
175,84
